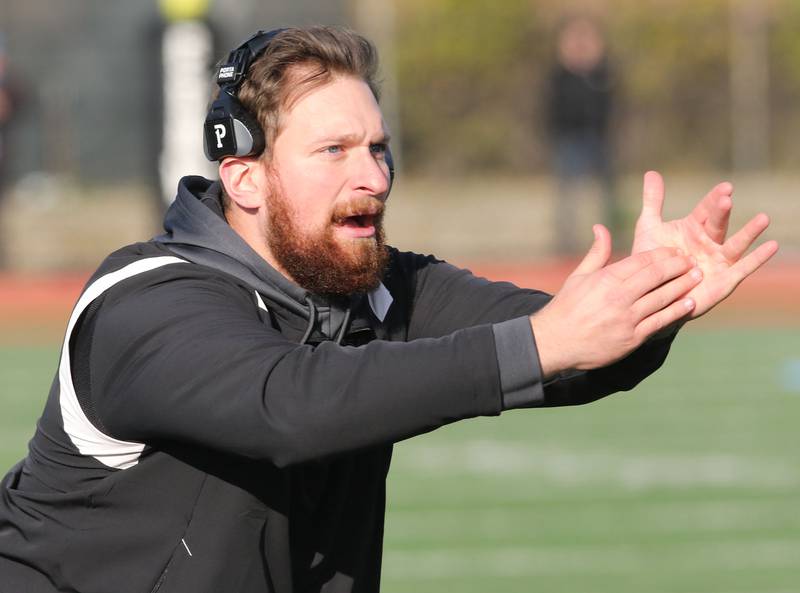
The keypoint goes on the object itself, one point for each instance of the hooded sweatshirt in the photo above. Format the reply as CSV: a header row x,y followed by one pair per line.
x,y
214,427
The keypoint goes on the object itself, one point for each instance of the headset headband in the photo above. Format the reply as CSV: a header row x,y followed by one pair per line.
x,y
231,74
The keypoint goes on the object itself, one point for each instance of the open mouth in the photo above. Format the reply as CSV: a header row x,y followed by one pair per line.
x,y
358,226
359,220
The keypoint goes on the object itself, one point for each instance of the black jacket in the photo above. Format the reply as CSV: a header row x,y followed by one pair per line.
x,y
580,104
191,443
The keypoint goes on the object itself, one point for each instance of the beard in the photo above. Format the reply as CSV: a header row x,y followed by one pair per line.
x,y
316,260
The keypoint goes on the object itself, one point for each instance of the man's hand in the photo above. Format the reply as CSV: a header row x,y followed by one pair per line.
x,y
602,313
701,235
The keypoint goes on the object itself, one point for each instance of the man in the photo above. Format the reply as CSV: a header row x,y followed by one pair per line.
x,y
9,102
579,104
228,393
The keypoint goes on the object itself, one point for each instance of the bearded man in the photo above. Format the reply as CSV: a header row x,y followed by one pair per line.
x,y
228,393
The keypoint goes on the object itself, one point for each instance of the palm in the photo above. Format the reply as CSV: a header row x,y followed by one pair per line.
x,y
701,234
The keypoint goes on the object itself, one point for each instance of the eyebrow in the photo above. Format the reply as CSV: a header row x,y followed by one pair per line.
x,y
351,139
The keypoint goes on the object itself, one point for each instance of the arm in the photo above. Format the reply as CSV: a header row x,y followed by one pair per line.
x,y
181,358
540,367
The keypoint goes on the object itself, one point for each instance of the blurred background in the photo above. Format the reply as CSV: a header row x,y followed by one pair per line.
x,y
516,124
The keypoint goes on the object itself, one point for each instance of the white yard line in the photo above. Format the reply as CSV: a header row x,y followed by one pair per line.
x,y
524,561
629,470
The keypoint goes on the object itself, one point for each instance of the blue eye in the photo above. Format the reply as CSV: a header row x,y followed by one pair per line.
x,y
378,148
333,149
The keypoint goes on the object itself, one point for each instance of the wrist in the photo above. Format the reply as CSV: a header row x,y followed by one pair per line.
x,y
553,356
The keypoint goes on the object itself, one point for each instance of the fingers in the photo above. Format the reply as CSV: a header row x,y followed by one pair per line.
x,y
599,253
736,273
652,199
719,209
717,224
655,275
714,211
625,268
752,261
665,295
740,242
661,319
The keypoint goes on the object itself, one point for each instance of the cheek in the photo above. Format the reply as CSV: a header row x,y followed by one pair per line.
x,y
312,190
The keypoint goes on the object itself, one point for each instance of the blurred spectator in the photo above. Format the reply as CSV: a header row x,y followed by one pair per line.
x,y
8,104
578,110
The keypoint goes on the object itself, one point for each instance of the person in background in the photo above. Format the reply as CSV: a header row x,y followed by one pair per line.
x,y
579,106
8,104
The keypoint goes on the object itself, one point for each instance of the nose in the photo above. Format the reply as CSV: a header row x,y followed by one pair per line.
x,y
371,174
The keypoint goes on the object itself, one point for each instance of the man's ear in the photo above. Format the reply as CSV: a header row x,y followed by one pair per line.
x,y
245,180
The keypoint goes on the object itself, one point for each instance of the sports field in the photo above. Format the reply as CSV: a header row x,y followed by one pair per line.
x,y
690,484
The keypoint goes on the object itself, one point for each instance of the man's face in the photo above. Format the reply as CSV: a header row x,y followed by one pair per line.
x,y
329,180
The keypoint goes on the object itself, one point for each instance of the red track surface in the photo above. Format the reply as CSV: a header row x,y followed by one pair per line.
x,y
36,308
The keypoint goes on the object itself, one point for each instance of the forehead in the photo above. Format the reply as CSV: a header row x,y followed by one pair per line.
x,y
344,105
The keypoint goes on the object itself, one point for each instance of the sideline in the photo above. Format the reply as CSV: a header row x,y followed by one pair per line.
x,y
34,307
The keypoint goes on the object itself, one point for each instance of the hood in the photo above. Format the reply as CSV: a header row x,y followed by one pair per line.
x,y
196,230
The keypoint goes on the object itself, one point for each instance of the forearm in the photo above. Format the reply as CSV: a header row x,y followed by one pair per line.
x,y
525,383
288,403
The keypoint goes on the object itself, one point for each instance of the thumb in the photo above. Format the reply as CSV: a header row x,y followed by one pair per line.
x,y
599,253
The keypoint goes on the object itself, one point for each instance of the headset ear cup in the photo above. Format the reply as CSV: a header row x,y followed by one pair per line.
x,y
248,130
219,136
230,130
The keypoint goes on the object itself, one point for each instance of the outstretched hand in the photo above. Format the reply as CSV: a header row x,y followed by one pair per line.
x,y
604,311
701,235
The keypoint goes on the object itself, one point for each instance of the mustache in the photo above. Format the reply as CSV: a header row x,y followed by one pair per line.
x,y
361,206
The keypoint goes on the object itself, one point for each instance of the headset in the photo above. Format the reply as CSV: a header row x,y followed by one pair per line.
x,y
230,129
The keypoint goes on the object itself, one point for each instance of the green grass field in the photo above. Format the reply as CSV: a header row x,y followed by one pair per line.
x,y
689,484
